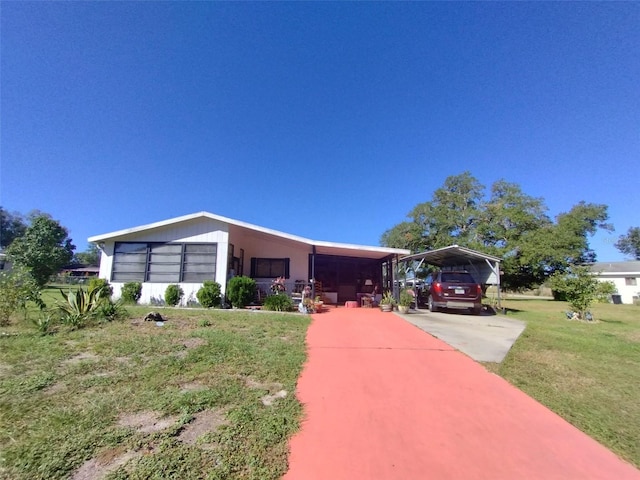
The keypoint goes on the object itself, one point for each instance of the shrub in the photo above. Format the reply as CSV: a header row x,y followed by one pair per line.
x,y
406,299
44,323
241,291
172,295
16,289
581,289
79,306
111,311
209,294
131,292
278,303
204,322
102,285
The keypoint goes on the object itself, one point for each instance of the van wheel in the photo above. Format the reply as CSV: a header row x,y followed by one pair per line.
x,y
432,307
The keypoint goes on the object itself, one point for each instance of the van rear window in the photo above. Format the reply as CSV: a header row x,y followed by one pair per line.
x,y
458,277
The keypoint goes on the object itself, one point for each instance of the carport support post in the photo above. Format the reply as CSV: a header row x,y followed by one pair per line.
x,y
395,264
313,272
495,268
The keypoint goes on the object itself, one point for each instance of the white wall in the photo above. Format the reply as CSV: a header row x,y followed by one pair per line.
x,y
193,231
627,292
297,253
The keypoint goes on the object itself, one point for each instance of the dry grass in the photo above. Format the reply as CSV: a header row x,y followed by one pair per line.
x,y
135,400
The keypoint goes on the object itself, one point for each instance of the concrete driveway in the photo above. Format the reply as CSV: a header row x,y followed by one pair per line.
x,y
485,338
385,401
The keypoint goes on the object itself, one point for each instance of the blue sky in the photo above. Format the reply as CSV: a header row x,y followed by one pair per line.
x,y
325,120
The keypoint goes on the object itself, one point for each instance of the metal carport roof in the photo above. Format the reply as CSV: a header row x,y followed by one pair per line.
x,y
452,255
485,268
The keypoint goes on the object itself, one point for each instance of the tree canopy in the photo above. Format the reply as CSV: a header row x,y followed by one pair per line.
x,y
12,226
91,256
629,244
44,248
508,224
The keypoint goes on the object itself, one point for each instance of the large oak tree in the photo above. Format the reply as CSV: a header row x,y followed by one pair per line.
x,y
509,224
629,244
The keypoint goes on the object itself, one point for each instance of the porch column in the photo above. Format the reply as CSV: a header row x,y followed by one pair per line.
x,y
313,272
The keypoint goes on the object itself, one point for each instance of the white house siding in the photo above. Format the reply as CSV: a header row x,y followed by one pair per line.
x,y
627,292
260,247
194,231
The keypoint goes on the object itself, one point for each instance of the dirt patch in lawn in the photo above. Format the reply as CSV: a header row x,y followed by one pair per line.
x,y
106,462
54,389
81,357
204,422
146,422
274,388
192,387
270,399
194,342
270,386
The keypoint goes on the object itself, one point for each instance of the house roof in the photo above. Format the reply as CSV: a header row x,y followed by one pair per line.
x,y
451,255
612,268
322,247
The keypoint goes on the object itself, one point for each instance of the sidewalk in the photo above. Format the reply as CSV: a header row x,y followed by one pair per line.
x,y
384,400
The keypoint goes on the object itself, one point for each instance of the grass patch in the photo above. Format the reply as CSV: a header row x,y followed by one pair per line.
x,y
588,373
65,398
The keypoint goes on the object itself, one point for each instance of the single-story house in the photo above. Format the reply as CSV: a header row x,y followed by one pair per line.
x,y
202,246
80,270
624,275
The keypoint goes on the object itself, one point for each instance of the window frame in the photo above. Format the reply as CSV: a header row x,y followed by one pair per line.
x,y
154,258
255,266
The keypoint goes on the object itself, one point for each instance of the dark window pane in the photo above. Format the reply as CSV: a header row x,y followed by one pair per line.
x,y
197,248
166,248
131,247
164,268
130,257
128,277
199,258
198,277
129,267
198,267
164,277
155,258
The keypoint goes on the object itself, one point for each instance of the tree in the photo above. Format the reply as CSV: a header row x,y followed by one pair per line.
x,y
629,244
17,288
12,226
554,248
581,289
91,256
44,248
509,224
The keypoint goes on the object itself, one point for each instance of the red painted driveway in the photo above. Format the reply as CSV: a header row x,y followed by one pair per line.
x,y
385,400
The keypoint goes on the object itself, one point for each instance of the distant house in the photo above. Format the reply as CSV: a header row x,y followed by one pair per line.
x,y
202,246
80,270
624,275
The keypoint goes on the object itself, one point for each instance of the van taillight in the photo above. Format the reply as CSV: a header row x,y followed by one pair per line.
x,y
437,287
479,289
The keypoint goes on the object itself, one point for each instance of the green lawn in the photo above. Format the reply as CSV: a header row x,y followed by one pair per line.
x,y
588,373
201,397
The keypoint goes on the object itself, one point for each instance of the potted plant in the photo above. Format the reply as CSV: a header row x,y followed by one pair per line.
x,y
406,299
317,304
387,302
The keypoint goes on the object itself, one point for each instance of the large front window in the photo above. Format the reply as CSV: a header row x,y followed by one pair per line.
x,y
164,262
269,267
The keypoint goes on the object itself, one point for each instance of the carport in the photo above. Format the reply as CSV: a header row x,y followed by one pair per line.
x,y
484,268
